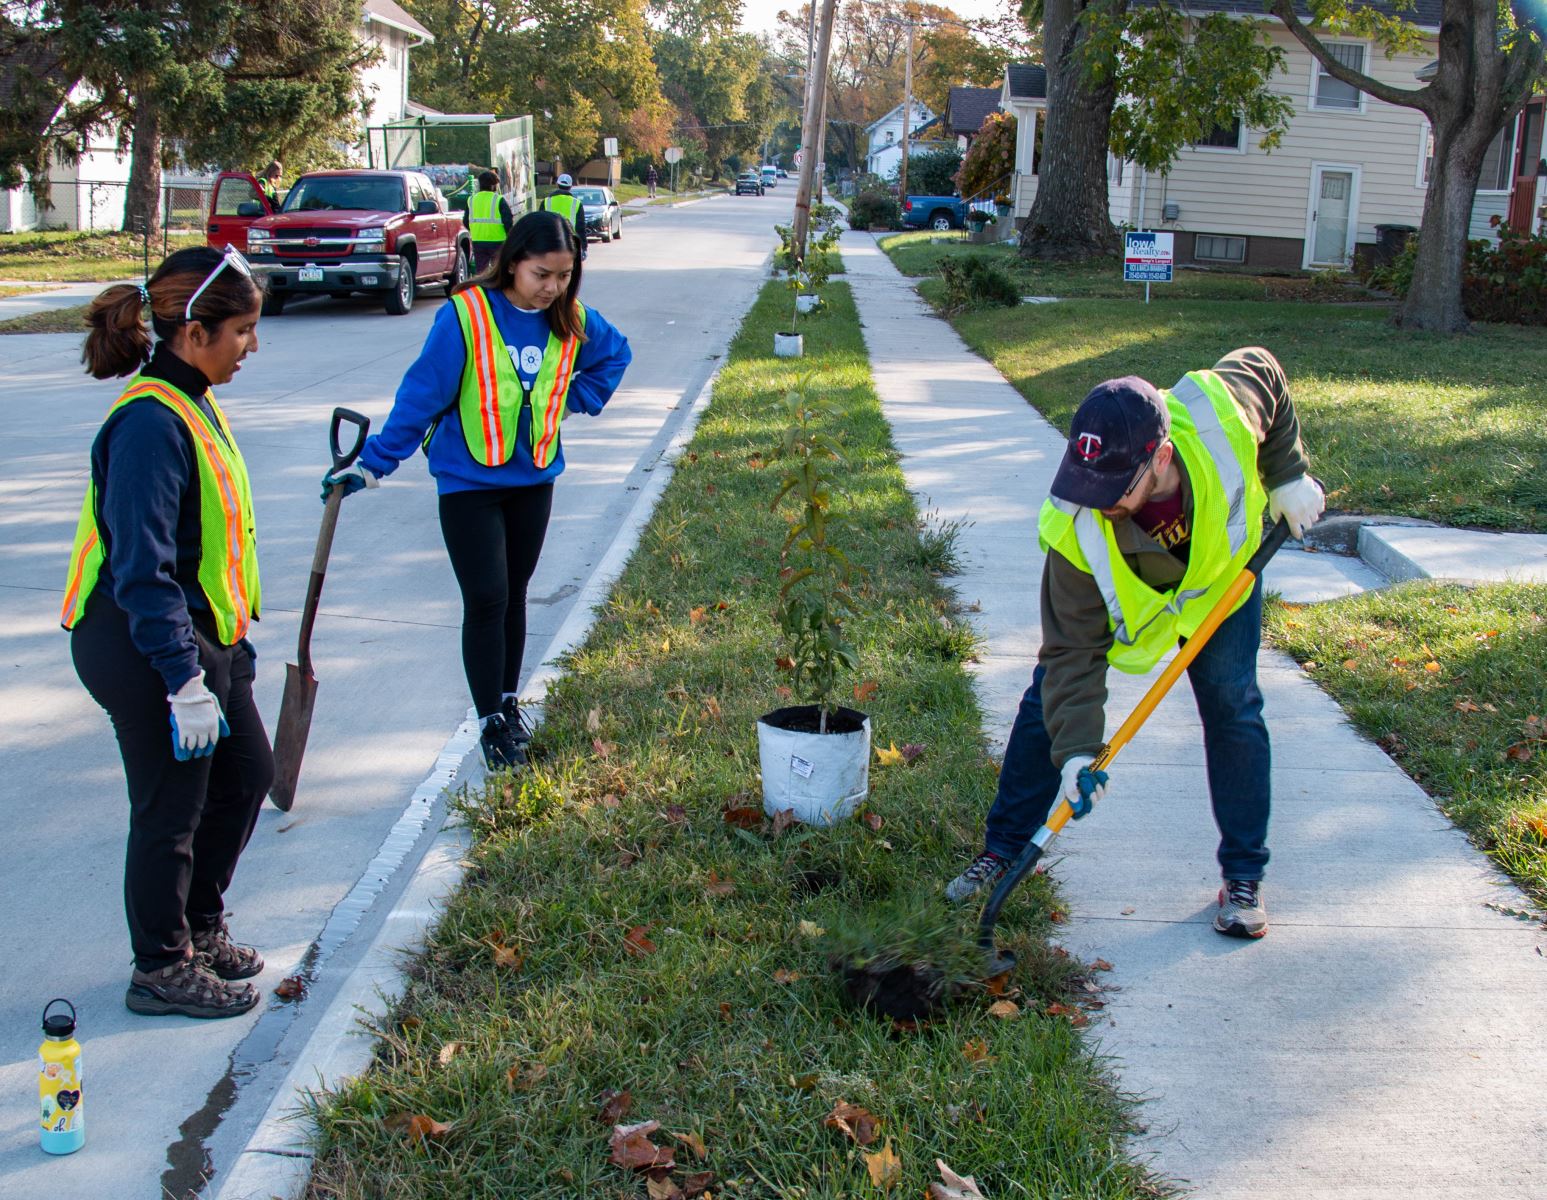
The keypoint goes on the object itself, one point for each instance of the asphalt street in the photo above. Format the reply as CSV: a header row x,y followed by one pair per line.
x,y
168,1099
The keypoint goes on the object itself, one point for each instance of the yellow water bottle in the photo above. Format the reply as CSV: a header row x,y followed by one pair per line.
x,y
63,1128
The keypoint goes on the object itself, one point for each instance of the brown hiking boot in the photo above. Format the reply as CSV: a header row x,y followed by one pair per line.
x,y
189,989
226,958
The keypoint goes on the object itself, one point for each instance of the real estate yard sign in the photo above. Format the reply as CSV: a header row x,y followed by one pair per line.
x,y
1147,258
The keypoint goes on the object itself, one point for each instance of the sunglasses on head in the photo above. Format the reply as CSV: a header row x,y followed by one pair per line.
x,y
232,258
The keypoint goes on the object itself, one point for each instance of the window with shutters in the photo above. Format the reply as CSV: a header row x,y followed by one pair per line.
x,y
1333,95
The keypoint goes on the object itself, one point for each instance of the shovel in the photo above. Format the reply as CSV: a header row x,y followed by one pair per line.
x,y
295,709
1000,961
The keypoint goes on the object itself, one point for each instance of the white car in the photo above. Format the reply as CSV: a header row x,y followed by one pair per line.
x,y
770,177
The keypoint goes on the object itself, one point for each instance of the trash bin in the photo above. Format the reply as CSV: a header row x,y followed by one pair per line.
x,y
1389,240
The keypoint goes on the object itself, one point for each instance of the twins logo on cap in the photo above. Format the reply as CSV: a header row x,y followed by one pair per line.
x,y
1088,446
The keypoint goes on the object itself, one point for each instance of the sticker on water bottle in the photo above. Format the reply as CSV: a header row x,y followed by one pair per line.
x,y
801,767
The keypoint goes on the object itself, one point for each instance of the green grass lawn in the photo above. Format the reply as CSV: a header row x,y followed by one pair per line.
x,y
21,289
54,320
1448,428
66,256
616,936
1450,681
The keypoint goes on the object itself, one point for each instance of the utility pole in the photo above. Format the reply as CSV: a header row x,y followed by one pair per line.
x,y
907,114
811,132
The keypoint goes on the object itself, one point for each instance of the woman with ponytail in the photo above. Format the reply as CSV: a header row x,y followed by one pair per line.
x,y
510,354
163,583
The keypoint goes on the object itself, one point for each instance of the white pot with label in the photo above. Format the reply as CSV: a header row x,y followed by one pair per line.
x,y
806,301
822,777
788,345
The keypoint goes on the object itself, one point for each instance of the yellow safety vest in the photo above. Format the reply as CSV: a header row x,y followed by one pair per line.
x,y
228,556
563,203
493,394
1219,450
483,217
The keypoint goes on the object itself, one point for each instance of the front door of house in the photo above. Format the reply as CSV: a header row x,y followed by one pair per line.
x,y
1528,158
1332,216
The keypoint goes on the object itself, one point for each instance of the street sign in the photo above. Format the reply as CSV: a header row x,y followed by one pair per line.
x,y
1148,257
673,154
799,157
609,147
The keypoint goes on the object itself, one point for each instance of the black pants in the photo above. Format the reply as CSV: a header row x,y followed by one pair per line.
x,y
494,537
188,821
484,254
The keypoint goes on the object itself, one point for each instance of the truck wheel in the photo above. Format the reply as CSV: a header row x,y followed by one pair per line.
x,y
273,303
458,274
400,300
940,220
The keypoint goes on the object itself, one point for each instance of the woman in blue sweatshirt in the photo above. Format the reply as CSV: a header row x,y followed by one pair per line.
x,y
506,359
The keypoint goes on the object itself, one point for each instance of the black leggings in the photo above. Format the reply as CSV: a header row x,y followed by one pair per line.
x,y
494,537
188,821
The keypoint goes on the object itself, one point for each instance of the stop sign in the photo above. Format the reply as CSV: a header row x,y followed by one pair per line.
x,y
799,154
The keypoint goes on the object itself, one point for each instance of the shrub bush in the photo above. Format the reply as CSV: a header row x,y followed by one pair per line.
x,y
990,161
978,282
1507,282
874,210
933,172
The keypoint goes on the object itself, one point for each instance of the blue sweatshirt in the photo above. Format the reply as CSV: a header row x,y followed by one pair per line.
x,y
432,386
146,474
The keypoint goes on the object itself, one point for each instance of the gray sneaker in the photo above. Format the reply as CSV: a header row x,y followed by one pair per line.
x,y
1241,911
983,873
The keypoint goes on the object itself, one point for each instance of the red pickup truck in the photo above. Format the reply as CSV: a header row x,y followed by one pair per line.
x,y
341,232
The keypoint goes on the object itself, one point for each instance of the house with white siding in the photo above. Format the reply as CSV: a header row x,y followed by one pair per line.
x,y
883,138
1347,163
387,26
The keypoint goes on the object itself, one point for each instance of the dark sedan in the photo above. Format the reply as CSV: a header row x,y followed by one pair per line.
x,y
748,184
603,217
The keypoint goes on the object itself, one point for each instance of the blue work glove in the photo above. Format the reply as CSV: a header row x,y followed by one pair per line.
x,y
354,478
1081,786
197,722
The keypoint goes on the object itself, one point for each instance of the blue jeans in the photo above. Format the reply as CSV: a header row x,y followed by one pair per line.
x,y
1235,745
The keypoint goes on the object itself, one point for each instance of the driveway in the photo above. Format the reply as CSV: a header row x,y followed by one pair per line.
x,y
169,1099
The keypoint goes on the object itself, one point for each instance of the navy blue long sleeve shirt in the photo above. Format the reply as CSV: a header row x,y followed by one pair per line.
x,y
429,392
146,474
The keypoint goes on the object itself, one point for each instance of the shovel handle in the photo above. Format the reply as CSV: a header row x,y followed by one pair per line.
x,y
342,458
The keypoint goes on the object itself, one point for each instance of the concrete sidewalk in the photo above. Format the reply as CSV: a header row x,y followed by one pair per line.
x,y
1385,1040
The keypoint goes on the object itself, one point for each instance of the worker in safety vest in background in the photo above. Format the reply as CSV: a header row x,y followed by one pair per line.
x,y
564,202
1155,509
488,220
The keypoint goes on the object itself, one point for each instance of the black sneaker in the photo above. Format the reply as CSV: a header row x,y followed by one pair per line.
x,y
519,728
501,750
984,872
1241,912
188,989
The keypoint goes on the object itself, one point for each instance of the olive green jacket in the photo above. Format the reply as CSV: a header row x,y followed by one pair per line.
x,y
1076,634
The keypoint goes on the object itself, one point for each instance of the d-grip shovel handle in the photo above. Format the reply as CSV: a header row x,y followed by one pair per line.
x,y
362,424
1064,812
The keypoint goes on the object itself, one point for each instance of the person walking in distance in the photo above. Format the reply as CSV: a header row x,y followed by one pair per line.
x,y
509,355
161,591
1154,510
562,200
488,220
651,179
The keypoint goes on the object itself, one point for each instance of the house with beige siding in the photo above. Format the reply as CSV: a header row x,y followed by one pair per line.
x,y
1346,164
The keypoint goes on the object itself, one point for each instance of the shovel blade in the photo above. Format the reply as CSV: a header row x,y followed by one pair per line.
x,y
295,722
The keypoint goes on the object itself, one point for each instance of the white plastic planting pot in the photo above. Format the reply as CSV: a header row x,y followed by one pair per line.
x,y
806,303
821,776
788,345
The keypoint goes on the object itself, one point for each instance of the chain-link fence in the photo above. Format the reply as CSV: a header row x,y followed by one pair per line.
x,y
97,206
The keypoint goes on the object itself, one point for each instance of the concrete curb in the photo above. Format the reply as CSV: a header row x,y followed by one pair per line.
x,y
276,1162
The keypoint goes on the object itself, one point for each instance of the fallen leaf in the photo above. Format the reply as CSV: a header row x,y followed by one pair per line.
x,y
811,929
782,820
976,1051
505,956
1057,1009
637,943
409,1023
448,1052
695,615
632,1147
615,1106
783,692
784,662
1466,706
866,691
785,975
291,987
717,886
675,813
743,816
859,1124
755,462
416,1127
520,1080
1431,667
1101,964
610,801
1485,635
661,1186
889,757
712,707
1005,1010
1350,664
805,1083
953,1186
695,1143
665,645
593,721
873,820
651,608
884,1166
696,1184
1534,729
603,749
1519,752
996,984
725,1011
1128,912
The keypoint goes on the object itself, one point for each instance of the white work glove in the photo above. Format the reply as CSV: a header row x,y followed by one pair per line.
x,y
354,478
197,723
1070,788
1299,502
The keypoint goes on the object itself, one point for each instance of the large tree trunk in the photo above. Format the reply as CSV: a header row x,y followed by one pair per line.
x,y
1434,297
1069,217
142,199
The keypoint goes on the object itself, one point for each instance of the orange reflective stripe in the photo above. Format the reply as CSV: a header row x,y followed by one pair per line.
x,y
230,501
556,398
76,569
480,322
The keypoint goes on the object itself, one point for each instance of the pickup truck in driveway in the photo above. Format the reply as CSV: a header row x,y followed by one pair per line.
x,y
940,212
341,232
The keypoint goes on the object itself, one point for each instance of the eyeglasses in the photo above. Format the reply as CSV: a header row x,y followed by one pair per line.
x,y
232,258
1139,476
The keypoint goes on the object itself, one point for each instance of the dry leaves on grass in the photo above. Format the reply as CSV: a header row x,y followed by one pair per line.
x,y
615,1106
953,1186
593,721
874,821
632,1148
603,749
742,816
416,1128
885,1167
976,1051
524,1079
782,820
1005,1010
889,756
695,1143
637,941
784,662
448,1052
856,1123
785,976
866,691
715,886
505,955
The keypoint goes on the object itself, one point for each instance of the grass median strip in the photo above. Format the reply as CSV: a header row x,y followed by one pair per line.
x,y
1449,681
634,943
71,319
67,256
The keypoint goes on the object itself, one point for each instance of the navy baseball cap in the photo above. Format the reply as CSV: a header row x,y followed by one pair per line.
x,y
1116,430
